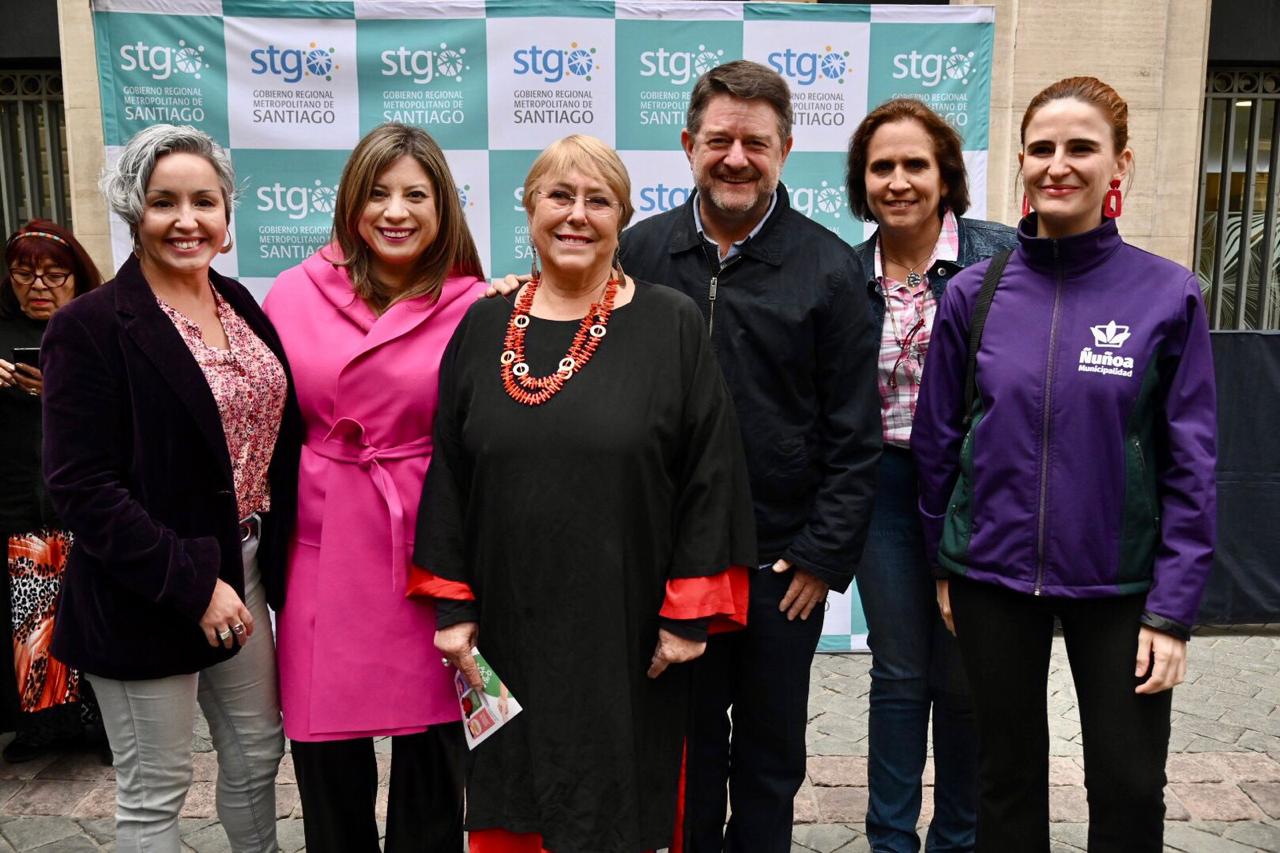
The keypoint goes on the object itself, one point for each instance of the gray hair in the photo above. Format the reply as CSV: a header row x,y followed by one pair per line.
x,y
125,185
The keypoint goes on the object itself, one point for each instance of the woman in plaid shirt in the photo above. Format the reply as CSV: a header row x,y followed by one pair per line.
x,y
906,174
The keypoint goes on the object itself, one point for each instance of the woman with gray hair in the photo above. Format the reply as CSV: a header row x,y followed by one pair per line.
x,y
171,453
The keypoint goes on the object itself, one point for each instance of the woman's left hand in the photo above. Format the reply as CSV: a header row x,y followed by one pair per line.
x,y
673,649
1165,656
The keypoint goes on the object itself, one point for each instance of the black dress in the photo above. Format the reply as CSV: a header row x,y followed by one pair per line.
x,y
567,520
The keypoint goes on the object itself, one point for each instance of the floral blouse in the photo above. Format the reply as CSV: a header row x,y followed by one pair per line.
x,y
249,386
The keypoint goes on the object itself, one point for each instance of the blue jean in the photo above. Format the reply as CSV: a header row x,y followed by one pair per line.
x,y
915,666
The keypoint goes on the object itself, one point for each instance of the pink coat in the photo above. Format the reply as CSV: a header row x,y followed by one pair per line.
x,y
356,657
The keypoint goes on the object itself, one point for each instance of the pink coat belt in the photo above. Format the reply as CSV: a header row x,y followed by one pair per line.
x,y
346,443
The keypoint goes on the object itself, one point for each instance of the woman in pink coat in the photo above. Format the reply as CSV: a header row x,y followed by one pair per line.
x,y
364,322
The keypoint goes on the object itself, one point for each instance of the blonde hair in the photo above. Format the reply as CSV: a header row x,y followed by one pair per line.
x,y
587,155
452,252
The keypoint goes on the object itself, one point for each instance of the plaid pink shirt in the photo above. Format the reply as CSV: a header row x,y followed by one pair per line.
x,y
904,338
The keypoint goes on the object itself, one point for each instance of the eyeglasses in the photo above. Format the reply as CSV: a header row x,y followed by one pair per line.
x,y
596,205
50,279
909,356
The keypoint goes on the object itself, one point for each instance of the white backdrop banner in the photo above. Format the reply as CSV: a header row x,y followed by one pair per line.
x,y
289,88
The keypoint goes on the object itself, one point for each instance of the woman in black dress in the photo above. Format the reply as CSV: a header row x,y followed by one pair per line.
x,y
586,520
42,700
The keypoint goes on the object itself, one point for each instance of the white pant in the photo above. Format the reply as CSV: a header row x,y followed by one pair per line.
x,y
150,725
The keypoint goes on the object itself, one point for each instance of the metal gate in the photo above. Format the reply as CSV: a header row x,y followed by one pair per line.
x,y
1237,224
33,149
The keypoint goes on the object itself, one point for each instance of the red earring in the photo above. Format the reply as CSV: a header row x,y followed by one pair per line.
x,y
1113,203
1026,206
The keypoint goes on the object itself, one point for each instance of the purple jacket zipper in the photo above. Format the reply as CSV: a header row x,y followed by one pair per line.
x,y
1044,431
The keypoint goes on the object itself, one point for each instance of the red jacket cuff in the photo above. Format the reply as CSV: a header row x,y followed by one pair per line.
x,y
722,597
423,584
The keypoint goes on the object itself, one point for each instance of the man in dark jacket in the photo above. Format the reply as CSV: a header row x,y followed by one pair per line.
x,y
784,303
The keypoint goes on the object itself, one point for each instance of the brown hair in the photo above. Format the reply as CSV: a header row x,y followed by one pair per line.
x,y
947,150
1089,90
744,79
584,154
27,246
452,252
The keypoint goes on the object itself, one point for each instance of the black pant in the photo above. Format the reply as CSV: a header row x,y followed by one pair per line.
x,y
338,786
763,673
1005,639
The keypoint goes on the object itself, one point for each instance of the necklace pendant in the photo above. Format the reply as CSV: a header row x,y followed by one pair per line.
x,y
914,278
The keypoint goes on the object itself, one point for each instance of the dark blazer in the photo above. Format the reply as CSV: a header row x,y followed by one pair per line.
x,y
138,469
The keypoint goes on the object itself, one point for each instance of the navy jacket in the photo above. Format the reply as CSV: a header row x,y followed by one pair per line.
x,y
794,338
979,240
138,469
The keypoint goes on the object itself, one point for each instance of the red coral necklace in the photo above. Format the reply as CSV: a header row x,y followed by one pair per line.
x,y
534,391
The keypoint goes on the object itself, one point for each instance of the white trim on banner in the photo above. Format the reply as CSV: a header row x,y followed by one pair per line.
x,y
370,10
681,10
160,7
975,166
933,14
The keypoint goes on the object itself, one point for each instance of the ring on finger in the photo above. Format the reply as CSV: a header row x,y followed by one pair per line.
x,y
238,628
224,635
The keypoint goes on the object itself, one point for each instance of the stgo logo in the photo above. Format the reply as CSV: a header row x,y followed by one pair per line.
x,y
298,202
660,197
679,66
292,64
162,61
807,68
826,198
552,64
423,66
932,68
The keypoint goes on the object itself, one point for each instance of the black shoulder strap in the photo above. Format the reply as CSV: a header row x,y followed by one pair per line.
x,y
989,283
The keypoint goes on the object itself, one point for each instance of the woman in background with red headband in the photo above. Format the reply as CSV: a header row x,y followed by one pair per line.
x,y
42,700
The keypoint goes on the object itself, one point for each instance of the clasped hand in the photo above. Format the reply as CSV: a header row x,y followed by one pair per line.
x,y
226,620
457,643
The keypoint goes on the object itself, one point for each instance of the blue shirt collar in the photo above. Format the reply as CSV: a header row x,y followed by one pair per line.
x,y
735,248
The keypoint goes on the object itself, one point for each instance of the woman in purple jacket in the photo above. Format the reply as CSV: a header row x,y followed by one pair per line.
x,y
1078,483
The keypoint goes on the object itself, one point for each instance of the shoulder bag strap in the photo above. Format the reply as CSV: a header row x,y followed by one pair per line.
x,y
989,283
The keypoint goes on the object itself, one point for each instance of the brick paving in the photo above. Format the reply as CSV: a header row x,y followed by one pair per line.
x,y
1223,794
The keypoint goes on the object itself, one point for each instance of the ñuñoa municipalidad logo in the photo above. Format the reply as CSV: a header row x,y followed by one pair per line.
x,y
292,64
162,61
552,64
807,67
423,66
1106,337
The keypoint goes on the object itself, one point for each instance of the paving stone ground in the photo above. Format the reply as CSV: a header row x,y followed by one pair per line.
x,y
1223,794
